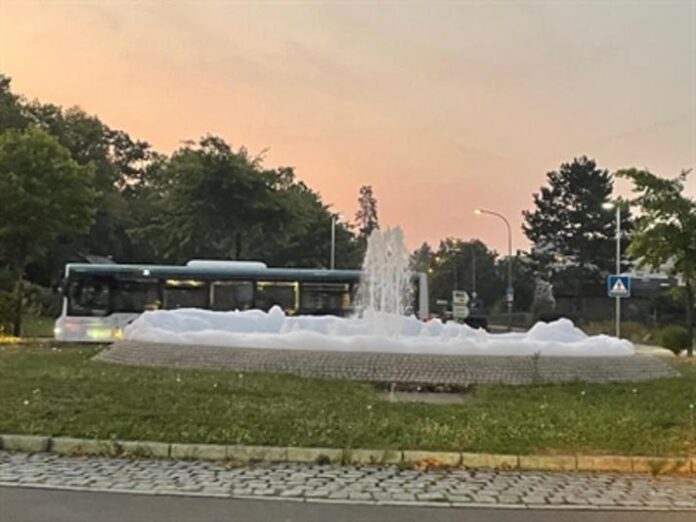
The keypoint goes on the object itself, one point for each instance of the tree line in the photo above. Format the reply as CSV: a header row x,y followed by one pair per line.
x,y
72,187
573,237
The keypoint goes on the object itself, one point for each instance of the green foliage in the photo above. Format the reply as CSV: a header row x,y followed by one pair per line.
x,y
43,193
38,325
204,200
119,166
451,268
633,331
11,113
675,338
523,280
307,244
210,201
665,235
456,263
666,229
42,301
421,258
6,311
572,235
213,202
63,392
366,216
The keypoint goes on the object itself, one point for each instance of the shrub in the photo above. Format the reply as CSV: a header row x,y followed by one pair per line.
x,y
675,338
633,331
42,301
38,302
6,308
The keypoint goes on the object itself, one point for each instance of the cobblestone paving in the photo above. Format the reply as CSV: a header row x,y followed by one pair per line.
x,y
391,367
381,485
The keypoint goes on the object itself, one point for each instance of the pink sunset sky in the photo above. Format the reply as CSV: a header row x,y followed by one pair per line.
x,y
441,106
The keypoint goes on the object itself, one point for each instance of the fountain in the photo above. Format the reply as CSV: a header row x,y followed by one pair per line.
x,y
381,324
381,342
385,288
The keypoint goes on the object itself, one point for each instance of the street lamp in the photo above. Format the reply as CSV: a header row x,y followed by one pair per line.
x,y
510,293
334,218
609,205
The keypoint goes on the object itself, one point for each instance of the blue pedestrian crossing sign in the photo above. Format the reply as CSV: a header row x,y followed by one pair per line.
x,y
619,286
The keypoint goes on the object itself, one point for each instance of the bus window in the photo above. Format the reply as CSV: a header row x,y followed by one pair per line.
x,y
135,296
232,295
88,297
327,298
185,294
272,293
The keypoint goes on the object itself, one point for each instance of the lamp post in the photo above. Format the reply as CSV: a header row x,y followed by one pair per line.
x,y
509,295
334,218
609,205
332,262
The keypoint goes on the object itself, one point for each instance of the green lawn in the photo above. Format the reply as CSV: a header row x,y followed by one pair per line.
x,y
61,391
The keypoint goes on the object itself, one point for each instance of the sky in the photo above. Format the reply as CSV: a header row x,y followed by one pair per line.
x,y
442,107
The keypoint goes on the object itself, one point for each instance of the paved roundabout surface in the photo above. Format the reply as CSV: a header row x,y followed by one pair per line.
x,y
391,367
373,485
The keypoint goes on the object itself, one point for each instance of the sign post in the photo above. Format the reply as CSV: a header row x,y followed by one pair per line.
x,y
460,300
618,287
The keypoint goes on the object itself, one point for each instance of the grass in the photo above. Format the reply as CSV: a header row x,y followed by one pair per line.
x,y
61,391
37,326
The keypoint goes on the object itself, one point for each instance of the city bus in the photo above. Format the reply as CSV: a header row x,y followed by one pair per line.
x,y
99,300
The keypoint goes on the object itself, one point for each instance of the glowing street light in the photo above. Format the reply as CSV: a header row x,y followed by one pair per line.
x,y
334,218
510,292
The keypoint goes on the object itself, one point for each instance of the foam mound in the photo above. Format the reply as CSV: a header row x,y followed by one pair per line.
x,y
376,332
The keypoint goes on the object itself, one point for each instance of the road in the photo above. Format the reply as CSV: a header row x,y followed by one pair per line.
x,y
44,505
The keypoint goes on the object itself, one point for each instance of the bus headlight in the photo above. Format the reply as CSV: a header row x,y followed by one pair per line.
x,y
99,333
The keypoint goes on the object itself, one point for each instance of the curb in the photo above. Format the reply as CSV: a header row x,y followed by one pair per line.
x,y
69,446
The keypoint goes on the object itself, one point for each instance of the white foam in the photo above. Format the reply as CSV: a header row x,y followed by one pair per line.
x,y
374,332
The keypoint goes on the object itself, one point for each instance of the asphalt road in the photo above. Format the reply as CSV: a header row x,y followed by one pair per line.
x,y
43,505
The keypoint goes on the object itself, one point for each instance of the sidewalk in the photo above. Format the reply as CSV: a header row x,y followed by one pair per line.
x,y
361,484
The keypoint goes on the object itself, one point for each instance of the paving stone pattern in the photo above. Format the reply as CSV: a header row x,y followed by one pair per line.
x,y
391,367
380,485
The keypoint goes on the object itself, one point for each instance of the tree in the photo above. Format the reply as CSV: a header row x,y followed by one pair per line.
x,y
119,164
366,216
569,224
452,268
211,201
306,243
44,193
421,258
11,113
665,235
524,279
